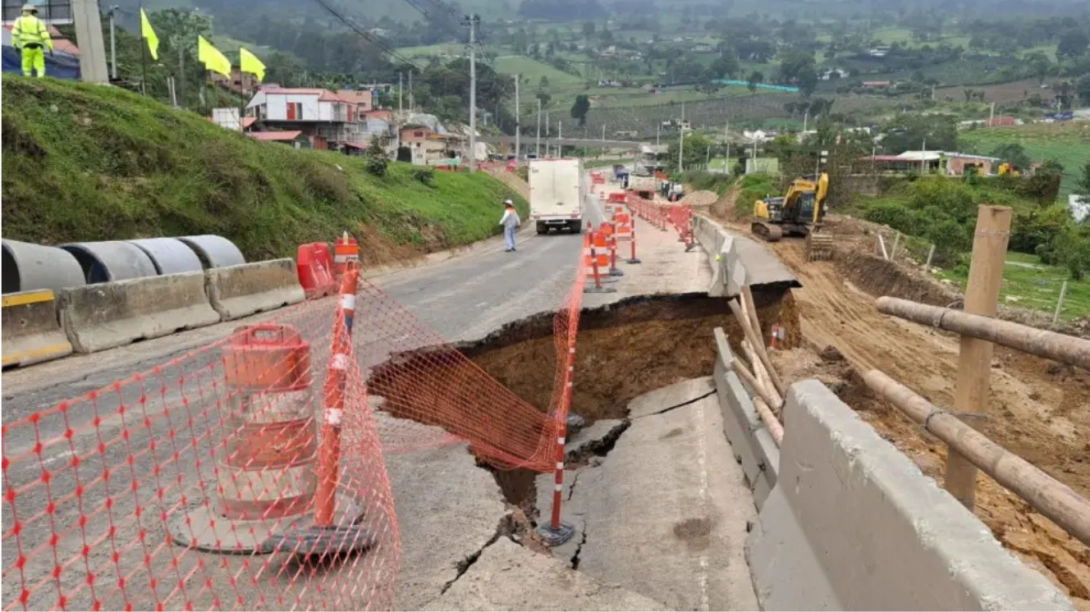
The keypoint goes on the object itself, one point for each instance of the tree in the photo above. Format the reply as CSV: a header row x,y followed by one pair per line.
x,y
1073,43
580,108
755,78
726,65
1082,88
912,132
1013,153
588,30
696,151
1084,183
807,80
1039,65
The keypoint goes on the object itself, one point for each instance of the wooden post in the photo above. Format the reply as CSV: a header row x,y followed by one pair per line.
x,y
882,243
993,226
1060,304
896,241
930,256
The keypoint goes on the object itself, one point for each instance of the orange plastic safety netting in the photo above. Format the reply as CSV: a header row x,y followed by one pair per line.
x,y
130,496
199,483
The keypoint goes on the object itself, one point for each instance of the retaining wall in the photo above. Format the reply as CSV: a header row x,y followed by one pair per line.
x,y
853,524
108,315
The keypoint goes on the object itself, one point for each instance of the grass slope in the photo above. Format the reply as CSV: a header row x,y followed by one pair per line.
x,y
85,162
1068,142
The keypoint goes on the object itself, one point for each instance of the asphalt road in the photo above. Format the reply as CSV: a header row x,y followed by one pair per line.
x,y
149,444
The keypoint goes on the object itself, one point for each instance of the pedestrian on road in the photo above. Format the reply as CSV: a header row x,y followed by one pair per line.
x,y
30,36
510,223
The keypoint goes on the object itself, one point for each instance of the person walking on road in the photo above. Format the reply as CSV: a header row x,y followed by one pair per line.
x,y
510,223
30,36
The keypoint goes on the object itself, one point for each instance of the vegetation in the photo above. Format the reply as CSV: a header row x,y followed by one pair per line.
x,y
1066,142
85,162
1030,283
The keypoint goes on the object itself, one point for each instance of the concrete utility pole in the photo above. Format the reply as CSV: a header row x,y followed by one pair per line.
x,y
92,49
179,86
681,151
472,21
559,137
113,42
400,92
411,105
538,147
726,136
518,120
658,131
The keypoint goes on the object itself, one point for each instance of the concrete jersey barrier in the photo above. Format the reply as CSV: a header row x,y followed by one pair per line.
x,y
108,315
855,525
239,291
737,260
30,329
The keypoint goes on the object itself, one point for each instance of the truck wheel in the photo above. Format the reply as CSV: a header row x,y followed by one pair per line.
x,y
542,228
576,227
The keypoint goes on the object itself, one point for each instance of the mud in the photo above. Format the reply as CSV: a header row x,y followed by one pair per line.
x,y
624,350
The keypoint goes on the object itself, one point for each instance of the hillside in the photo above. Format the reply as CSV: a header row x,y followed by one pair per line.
x,y
84,162
1067,142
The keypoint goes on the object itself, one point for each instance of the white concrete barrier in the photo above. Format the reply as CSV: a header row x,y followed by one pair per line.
x,y
31,332
239,291
748,435
107,315
852,524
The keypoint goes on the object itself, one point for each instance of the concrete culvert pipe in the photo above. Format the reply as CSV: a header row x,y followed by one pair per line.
x,y
214,251
29,267
170,255
111,261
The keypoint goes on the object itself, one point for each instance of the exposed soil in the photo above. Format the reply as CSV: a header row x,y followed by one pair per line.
x,y
624,350
378,250
1036,409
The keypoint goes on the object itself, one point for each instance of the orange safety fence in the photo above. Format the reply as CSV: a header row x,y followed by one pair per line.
x,y
118,499
122,498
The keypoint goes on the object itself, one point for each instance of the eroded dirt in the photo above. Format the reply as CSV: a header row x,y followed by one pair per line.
x,y
1037,408
623,351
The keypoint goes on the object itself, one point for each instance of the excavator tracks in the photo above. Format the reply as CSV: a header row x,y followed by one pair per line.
x,y
767,231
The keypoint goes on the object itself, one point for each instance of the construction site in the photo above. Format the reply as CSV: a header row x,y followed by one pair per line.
x,y
663,412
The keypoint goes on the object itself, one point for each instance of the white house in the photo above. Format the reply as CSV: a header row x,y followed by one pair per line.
x,y
328,118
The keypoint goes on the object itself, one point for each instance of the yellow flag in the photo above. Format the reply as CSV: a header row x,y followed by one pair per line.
x,y
212,58
148,34
248,62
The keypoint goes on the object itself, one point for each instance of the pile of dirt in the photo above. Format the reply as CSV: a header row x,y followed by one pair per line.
x,y
512,180
700,198
725,208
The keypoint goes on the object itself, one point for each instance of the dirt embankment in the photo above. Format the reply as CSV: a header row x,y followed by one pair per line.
x,y
1036,407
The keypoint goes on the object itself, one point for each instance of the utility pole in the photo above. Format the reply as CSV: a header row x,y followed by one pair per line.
x,y
805,121
411,105
400,93
991,115
472,21
681,151
518,120
726,136
603,134
538,149
559,137
113,43
547,124
180,85
658,131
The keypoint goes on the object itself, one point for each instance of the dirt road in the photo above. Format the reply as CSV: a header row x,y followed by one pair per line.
x,y
1037,409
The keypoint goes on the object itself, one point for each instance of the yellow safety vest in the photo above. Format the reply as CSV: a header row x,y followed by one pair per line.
x,y
28,30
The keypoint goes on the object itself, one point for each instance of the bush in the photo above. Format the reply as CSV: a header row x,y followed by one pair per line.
x,y
1035,231
424,175
377,164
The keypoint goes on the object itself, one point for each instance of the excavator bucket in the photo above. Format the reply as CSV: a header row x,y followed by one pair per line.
x,y
819,247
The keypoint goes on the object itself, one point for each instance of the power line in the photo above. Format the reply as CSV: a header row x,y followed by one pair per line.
x,y
371,38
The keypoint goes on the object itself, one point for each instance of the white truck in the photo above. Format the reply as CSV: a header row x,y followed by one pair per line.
x,y
645,185
558,189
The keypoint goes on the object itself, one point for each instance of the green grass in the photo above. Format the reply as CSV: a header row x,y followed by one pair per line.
x,y
533,70
1035,288
429,50
85,162
1068,142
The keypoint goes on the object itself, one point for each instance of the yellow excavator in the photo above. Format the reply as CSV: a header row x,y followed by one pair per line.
x,y
798,213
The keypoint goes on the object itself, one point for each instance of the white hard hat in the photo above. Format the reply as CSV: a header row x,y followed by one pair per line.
x,y
30,8
508,202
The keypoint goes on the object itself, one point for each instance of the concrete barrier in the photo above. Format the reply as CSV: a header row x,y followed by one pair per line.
x,y
31,333
108,315
112,260
239,291
738,260
752,444
214,251
28,267
855,525
169,255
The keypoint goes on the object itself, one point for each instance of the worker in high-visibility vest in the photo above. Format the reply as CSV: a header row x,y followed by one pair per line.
x,y
30,37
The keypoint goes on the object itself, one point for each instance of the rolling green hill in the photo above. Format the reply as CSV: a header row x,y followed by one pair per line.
x,y
86,162
1067,142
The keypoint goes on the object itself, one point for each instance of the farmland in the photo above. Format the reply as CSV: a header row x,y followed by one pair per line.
x,y
1067,142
